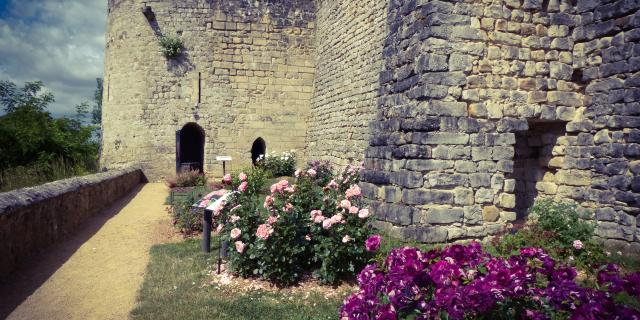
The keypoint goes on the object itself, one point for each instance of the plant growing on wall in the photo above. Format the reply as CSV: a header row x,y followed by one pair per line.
x,y
171,47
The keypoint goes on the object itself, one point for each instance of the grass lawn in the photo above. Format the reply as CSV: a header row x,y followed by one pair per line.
x,y
172,289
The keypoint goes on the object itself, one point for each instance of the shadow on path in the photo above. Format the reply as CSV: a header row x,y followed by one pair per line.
x,y
34,271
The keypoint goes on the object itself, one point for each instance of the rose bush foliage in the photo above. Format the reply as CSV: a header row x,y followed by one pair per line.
x,y
315,224
466,282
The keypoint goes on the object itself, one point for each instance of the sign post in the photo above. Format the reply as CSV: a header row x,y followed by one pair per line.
x,y
224,160
223,245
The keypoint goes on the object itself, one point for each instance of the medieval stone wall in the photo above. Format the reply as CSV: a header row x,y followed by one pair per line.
x,y
246,72
349,41
485,107
470,110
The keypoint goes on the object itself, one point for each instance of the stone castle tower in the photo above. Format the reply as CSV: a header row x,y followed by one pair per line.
x,y
464,112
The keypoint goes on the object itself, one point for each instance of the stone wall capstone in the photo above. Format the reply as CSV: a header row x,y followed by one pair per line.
x,y
31,219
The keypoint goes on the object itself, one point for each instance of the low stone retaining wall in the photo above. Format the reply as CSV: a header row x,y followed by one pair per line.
x,y
33,218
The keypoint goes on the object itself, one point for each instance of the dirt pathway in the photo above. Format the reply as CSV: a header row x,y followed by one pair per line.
x,y
96,273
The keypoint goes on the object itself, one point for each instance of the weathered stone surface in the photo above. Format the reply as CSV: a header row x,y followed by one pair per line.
x,y
490,213
443,215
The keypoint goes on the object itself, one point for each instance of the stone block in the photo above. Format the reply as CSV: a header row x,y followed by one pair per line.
x,y
507,200
464,196
407,179
443,215
490,214
431,234
421,196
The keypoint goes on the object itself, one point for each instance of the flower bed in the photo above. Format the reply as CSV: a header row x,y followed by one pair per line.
x,y
462,282
315,225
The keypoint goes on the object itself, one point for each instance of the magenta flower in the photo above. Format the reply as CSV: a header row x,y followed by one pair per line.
x,y
373,243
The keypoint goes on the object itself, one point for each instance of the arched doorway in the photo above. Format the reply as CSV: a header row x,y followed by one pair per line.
x,y
190,148
258,148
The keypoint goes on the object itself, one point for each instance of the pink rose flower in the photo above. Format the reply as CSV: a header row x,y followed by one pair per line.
x,y
363,214
240,246
577,244
345,204
235,233
290,189
332,185
234,218
268,201
287,207
297,173
353,210
219,228
326,224
218,208
242,176
337,218
272,219
243,186
307,237
346,239
227,178
315,213
373,243
264,231
353,191
312,172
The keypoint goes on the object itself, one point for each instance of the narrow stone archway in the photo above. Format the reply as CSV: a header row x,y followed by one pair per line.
x,y
258,148
190,148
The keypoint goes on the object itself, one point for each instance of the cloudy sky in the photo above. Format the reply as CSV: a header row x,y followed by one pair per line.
x,y
60,42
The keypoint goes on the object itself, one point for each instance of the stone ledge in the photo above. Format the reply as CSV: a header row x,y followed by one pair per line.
x,y
27,196
31,219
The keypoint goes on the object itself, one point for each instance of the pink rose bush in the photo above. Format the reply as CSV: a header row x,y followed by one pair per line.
x,y
466,282
310,224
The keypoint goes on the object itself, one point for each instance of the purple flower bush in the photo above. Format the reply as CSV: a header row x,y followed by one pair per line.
x,y
464,281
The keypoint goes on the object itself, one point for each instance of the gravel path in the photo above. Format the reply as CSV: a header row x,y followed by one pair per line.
x,y
96,273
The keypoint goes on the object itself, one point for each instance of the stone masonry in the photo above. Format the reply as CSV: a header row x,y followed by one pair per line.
x,y
486,105
465,112
246,72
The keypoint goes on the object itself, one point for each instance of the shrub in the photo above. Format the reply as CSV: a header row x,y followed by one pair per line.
x,y
296,228
171,47
191,178
185,218
559,230
278,165
464,282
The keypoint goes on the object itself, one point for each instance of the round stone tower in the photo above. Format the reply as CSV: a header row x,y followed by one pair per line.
x,y
245,73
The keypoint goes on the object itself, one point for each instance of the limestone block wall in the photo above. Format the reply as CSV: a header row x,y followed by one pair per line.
x,y
607,52
246,72
485,106
31,219
349,42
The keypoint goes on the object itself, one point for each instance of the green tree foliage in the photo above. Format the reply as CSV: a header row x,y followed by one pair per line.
x,y
96,113
31,138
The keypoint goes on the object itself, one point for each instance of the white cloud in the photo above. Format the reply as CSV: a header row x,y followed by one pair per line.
x,y
60,42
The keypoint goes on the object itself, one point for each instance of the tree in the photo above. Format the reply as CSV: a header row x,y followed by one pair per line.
x,y
30,136
96,113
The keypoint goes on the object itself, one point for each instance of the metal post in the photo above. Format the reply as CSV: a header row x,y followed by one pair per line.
x,y
206,231
224,168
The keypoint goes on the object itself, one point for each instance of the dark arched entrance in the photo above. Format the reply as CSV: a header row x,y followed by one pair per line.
x,y
190,148
258,148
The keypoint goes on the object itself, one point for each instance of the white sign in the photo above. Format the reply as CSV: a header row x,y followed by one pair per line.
x,y
223,158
